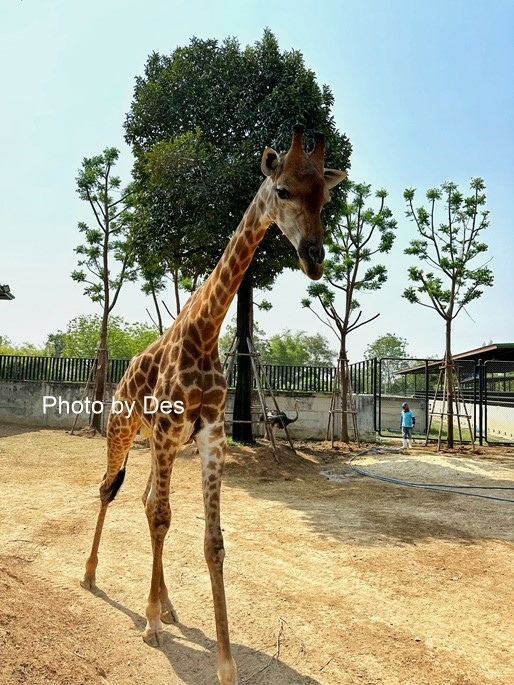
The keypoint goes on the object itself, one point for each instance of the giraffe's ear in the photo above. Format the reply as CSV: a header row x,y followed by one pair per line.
x,y
269,161
334,176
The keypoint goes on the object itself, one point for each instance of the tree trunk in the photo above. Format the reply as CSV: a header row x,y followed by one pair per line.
x,y
242,432
101,374
157,310
343,367
448,382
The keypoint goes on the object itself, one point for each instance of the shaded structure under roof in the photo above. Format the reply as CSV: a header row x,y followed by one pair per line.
x,y
5,293
495,351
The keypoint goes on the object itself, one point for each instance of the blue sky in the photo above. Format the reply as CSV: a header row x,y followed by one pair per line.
x,y
423,90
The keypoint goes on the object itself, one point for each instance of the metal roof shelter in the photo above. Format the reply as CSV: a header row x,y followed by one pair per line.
x,y
5,293
495,351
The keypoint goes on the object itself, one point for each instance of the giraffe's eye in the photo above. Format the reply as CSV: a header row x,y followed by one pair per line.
x,y
283,193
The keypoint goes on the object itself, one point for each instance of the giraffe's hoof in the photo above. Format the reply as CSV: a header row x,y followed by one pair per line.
x,y
153,637
89,582
168,613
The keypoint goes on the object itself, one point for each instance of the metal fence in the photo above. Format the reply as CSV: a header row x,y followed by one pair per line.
x,y
293,378
80,370
57,369
487,388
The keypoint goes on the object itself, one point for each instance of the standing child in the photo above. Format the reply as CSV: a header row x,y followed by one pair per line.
x,y
407,423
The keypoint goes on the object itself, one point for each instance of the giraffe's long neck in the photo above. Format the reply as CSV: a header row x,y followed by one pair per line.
x,y
211,302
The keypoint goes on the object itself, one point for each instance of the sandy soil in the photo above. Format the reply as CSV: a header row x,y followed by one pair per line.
x,y
329,582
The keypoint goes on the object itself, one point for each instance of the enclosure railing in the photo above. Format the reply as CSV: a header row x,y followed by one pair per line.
x,y
17,367
294,378
484,384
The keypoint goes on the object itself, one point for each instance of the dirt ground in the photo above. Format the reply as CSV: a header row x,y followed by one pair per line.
x,y
345,581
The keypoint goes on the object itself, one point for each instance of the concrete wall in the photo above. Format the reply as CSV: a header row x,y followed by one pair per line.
x,y
500,420
24,403
391,408
28,403
313,415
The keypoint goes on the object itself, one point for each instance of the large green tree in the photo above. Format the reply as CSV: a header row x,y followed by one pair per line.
x,y
25,349
105,257
391,351
198,123
287,348
362,235
82,337
449,244
297,349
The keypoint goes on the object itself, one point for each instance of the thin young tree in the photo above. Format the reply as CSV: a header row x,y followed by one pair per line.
x,y
105,257
450,231
362,234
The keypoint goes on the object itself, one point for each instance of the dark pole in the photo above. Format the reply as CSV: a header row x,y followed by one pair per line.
x,y
242,426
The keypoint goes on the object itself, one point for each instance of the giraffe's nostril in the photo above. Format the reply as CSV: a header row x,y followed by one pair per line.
x,y
317,253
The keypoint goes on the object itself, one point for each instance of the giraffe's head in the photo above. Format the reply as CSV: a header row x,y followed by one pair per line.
x,y
299,187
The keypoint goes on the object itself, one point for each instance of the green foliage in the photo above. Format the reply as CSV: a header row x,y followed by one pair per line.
x,y
286,348
171,230
390,349
298,349
446,247
388,345
196,171
107,237
124,340
25,349
362,233
447,281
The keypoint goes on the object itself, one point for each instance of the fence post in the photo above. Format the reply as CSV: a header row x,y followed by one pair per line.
x,y
482,399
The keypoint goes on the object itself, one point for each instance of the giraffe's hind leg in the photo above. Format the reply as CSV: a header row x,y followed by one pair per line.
x,y
158,512
120,433
168,613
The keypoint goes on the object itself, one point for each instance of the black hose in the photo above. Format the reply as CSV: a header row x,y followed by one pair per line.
x,y
435,487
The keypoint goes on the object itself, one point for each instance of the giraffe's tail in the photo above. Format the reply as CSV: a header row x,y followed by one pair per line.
x,y
108,493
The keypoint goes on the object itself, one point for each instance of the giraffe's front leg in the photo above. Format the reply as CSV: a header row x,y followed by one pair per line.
x,y
211,444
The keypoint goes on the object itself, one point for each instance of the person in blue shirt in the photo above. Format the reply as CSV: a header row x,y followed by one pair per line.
x,y
407,423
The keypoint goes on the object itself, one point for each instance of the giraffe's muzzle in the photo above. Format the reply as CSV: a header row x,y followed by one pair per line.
x,y
311,257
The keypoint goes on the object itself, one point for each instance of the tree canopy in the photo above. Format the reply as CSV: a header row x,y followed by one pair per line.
x,y
26,348
295,348
106,240
449,282
362,233
388,345
198,169
82,337
209,109
391,350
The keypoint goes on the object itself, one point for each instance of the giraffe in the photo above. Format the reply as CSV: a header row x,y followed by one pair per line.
x,y
182,374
